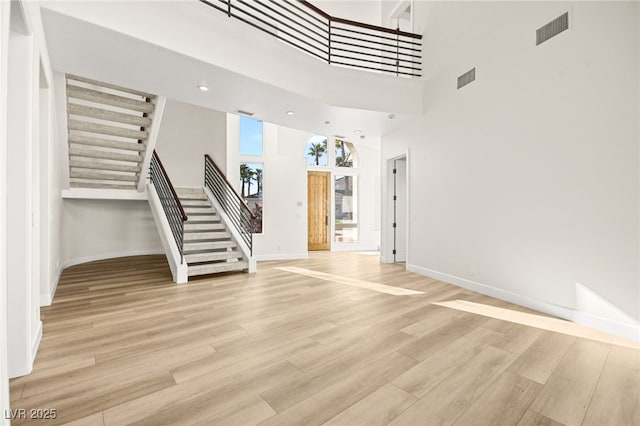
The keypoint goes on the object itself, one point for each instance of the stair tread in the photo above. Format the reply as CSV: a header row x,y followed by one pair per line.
x,y
203,227
186,197
78,92
107,115
195,203
191,246
189,190
205,235
96,165
198,212
104,129
95,185
104,155
102,176
106,143
109,86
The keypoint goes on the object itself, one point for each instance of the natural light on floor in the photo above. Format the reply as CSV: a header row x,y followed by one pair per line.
x,y
538,321
387,289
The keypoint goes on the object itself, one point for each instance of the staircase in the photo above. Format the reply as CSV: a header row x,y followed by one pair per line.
x,y
108,132
208,245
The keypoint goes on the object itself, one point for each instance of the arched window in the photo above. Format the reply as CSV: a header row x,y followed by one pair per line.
x,y
316,151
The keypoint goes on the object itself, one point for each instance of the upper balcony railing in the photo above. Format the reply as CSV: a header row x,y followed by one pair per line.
x,y
334,40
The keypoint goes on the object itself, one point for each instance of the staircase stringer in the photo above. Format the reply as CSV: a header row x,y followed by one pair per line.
x,y
156,119
60,93
179,268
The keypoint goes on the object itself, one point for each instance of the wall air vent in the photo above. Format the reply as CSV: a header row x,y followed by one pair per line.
x,y
553,28
243,112
467,77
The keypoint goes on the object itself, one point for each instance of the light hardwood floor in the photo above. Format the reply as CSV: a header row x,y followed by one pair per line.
x,y
122,344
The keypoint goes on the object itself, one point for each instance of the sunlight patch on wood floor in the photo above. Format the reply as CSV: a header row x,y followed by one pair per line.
x,y
381,288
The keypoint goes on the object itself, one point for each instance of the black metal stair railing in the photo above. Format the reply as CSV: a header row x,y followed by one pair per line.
x,y
334,40
171,205
232,204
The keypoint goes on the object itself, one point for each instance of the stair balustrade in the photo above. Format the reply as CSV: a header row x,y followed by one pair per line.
x,y
334,40
231,203
170,202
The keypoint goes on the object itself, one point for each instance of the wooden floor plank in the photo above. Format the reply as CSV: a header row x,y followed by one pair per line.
x,y
447,400
616,399
541,358
566,395
377,409
505,402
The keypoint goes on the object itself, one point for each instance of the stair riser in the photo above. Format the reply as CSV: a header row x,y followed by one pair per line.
x,y
195,203
189,237
211,257
197,219
191,246
103,176
217,268
205,227
103,129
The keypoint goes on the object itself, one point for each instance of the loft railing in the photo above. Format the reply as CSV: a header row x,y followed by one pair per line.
x,y
170,202
334,40
232,204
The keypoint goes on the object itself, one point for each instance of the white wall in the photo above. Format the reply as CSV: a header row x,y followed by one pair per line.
x,y
365,11
527,180
285,195
187,132
46,140
24,322
4,50
368,171
101,229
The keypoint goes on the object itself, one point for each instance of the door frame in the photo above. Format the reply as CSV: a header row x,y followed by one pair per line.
x,y
330,201
387,240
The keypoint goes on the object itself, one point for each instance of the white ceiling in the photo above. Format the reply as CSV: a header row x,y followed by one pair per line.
x,y
79,47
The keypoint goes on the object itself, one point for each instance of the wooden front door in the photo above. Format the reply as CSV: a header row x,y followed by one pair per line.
x,y
318,199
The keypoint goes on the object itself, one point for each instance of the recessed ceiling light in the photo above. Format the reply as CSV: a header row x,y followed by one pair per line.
x,y
357,132
391,116
291,113
203,87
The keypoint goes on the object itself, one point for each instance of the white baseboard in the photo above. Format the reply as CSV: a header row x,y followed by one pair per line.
x,y
287,256
626,330
36,344
110,255
354,247
47,299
